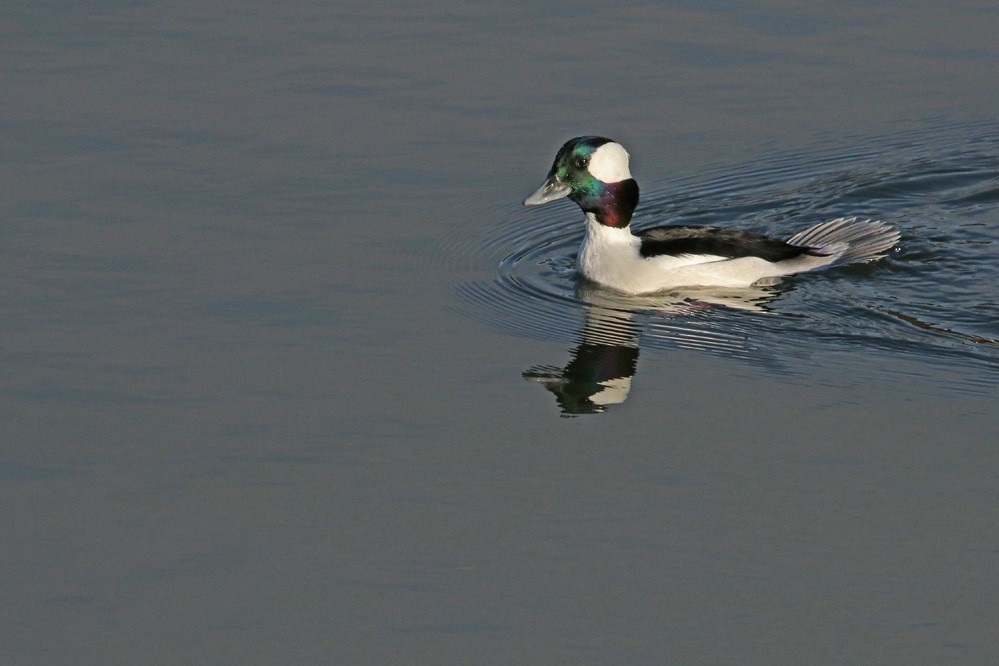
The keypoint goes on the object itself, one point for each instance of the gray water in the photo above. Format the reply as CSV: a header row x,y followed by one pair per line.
x,y
277,333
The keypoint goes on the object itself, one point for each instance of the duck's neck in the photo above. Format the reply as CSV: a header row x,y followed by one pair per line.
x,y
615,204
600,234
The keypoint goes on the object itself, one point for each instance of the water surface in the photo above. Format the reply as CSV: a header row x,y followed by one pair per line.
x,y
268,298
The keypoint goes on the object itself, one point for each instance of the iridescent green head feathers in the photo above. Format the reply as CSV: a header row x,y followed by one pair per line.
x,y
593,172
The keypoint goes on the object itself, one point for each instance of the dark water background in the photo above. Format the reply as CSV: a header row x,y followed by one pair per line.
x,y
268,296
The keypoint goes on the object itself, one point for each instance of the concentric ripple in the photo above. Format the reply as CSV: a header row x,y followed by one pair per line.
x,y
933,302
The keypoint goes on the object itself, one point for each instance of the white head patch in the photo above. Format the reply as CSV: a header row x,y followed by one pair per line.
x,y
609,163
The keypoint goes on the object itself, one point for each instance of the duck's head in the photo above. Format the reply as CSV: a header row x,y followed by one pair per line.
x,y
593,172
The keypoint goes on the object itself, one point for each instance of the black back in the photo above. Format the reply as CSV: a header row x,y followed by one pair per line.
x,y
729,243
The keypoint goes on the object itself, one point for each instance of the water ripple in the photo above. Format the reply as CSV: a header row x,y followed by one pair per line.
x,y
934,300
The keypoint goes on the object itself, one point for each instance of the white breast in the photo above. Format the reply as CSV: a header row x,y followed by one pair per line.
x,y
612,257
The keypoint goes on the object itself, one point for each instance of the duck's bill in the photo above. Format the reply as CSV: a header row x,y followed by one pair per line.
x,y
552,189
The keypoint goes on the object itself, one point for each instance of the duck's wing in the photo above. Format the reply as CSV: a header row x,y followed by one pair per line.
x,y
717,242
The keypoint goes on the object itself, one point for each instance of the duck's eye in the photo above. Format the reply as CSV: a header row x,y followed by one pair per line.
x,y
581,162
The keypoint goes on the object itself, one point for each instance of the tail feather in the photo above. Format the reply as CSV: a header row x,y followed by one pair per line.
x,y
864,240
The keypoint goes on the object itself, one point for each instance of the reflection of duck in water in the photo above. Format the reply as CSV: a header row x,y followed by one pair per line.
x,y
601,368
593,172
606,359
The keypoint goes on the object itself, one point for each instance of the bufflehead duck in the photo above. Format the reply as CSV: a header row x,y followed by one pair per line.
x,y
593,172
